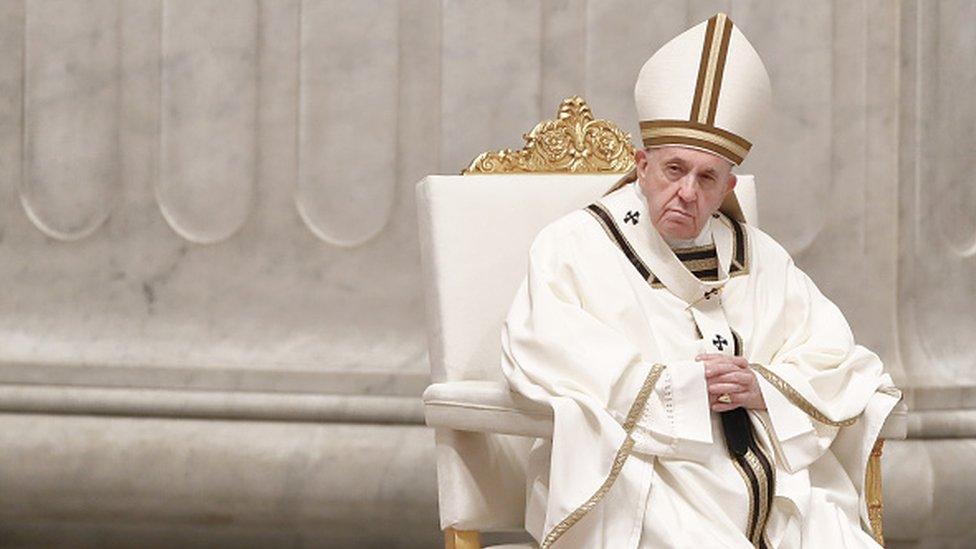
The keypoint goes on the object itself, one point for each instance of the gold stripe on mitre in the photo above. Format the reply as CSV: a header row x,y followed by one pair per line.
x,y
711,68
683,132
699,130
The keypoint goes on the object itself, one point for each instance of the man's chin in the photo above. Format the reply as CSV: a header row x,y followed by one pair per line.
x,y
676,230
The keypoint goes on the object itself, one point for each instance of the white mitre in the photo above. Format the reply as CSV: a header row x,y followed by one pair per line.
x,y
707,89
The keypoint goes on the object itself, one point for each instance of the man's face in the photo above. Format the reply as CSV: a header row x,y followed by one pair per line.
x,y
683,188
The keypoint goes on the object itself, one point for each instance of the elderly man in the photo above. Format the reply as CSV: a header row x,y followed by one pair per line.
x,y
705,393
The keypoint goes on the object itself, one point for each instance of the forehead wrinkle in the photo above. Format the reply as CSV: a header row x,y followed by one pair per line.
x,y
675,158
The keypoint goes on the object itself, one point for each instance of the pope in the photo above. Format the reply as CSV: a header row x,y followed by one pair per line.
x,y
705,392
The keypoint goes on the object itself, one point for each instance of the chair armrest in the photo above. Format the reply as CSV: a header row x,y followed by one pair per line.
x,y
896,425
490,407
485,406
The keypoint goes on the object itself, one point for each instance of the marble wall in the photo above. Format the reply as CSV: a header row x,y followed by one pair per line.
x,y
207,222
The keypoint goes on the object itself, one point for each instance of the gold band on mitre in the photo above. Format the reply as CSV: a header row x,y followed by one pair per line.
x,y
711,68
656,133
707,88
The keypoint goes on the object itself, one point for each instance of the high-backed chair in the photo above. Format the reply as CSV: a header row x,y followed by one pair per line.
x,y
475,232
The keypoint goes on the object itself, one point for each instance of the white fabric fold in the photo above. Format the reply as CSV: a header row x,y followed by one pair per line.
x,y
795,438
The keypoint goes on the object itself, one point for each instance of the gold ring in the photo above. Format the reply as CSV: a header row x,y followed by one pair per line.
x,y
724,398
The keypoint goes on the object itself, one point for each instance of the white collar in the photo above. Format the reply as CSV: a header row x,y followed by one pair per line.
x,y
624,209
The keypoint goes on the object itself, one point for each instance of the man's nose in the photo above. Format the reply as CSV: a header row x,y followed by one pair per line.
x,y
686,189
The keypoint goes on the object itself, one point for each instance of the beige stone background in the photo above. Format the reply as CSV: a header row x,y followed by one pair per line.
x,y
211,318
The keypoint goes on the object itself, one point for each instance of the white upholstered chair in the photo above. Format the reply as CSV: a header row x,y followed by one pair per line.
x,y
475,232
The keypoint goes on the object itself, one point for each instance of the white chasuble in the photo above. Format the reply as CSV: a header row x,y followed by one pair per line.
x,y
605,330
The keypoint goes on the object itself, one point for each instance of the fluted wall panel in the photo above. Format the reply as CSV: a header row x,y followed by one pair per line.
x,y
490,77
207,117
938,216
347,118
71,126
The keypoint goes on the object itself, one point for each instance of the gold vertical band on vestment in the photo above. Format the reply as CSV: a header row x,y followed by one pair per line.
x,y
750,522
761,463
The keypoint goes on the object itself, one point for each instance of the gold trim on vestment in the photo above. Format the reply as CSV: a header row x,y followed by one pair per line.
x,y
752,497
764,492
758,513
773,448
701,264
739,261
692,249
737,267
799,400
636,409
605,218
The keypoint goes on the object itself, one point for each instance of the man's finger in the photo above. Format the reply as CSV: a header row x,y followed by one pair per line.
x,y
715,368
738,377
738,360
719,407
730,388
730,363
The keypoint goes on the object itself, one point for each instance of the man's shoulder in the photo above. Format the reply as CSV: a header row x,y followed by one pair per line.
x,y
763,247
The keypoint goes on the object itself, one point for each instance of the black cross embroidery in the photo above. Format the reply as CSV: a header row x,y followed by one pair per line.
x,y
631,217
719,342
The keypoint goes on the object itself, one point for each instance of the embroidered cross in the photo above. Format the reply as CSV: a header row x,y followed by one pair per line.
x,y
720,342
631,217
708,295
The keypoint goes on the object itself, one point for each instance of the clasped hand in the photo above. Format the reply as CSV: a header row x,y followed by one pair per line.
x,y
731,375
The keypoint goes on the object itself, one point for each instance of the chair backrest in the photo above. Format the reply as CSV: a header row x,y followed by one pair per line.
x,y
475,234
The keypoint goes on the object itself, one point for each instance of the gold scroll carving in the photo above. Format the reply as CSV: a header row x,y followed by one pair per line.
x,y
573,142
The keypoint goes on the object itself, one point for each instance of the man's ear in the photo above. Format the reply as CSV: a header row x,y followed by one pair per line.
x,y
732,181
640,160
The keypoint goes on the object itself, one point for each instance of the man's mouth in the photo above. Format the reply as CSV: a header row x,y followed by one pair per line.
x,y
681,213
